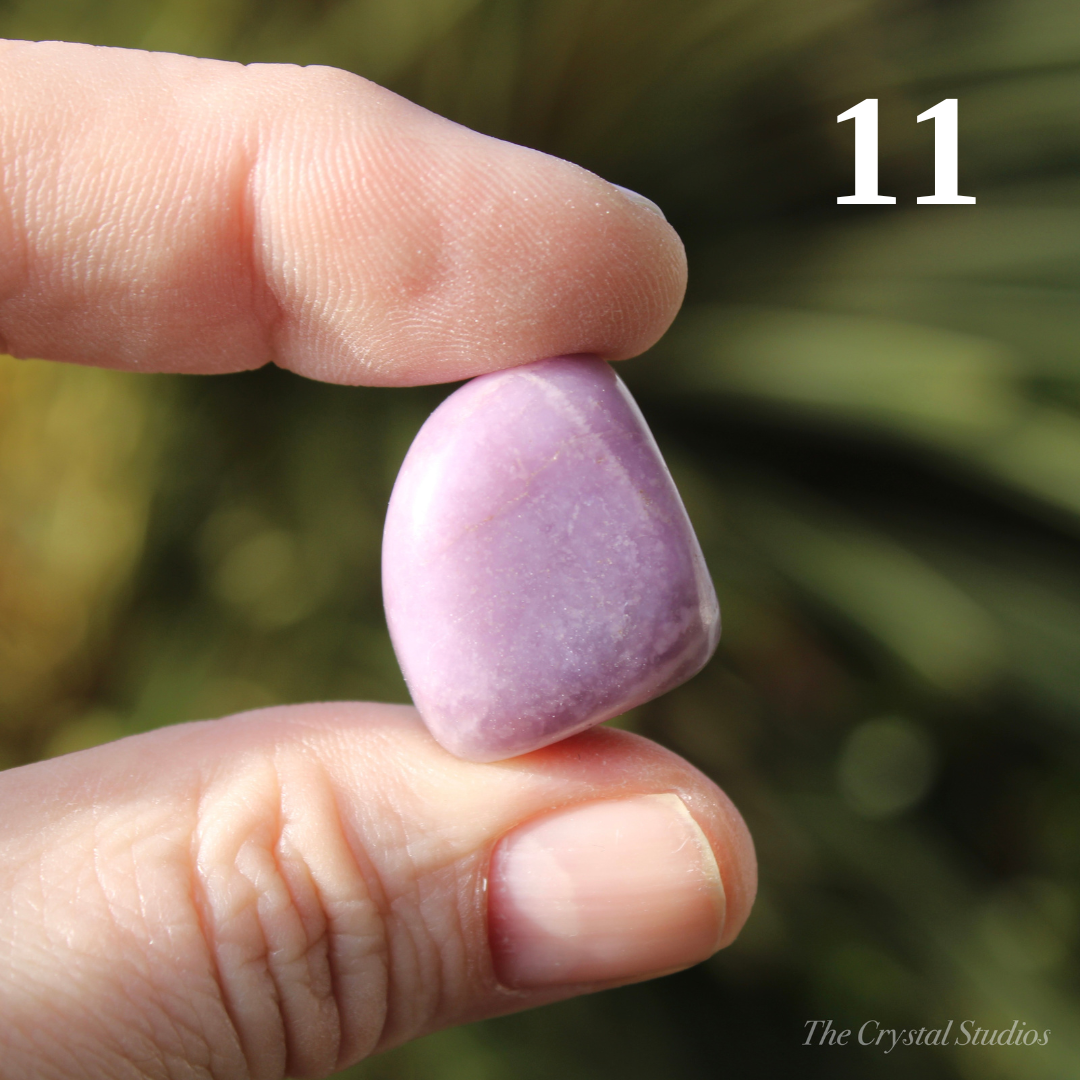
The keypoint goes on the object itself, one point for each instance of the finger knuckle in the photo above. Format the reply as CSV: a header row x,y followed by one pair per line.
x,y
294,926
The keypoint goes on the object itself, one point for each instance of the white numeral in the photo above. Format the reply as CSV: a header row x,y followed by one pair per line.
x,y
946,126
866,154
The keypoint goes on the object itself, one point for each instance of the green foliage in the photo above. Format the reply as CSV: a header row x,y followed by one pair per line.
x,y
874,416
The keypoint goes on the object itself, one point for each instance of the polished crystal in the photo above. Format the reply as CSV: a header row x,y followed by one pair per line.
x,y
540,573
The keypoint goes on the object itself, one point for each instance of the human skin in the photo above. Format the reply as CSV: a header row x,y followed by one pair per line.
x,y
287,891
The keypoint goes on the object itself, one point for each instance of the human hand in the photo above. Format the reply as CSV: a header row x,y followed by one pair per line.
x,y
290,890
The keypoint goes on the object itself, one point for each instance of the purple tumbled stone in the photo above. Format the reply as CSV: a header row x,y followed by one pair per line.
x,y
540,573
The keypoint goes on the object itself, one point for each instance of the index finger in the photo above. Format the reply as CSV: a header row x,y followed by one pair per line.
x,y
164,213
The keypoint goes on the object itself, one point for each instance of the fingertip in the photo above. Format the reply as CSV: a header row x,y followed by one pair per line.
x,y
198,216
611,763
451,253
606,891
736,859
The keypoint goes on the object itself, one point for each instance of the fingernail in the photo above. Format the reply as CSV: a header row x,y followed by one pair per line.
x,y
619,889
633,196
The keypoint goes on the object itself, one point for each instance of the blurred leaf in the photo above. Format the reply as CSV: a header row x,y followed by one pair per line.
x,y
78,450
908,608
921,380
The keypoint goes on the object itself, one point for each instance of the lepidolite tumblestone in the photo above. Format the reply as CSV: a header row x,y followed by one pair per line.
x,y
540,573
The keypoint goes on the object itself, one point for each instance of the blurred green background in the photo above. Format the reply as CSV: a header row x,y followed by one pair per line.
x,y
874,417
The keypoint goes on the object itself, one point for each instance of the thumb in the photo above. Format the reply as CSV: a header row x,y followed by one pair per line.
x,y
290,890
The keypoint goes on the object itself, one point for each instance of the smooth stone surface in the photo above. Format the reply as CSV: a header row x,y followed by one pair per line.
x,y
540,574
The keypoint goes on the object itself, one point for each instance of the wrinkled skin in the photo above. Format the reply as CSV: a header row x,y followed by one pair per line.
x,y
288,891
